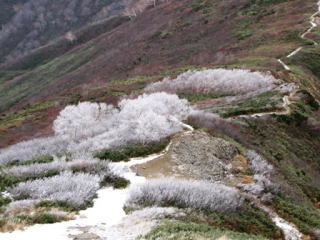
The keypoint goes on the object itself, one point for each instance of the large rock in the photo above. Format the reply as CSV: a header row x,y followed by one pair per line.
x,y
206,156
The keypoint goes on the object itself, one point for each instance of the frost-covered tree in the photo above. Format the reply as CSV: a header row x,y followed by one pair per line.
x,y
78,122
164,104
236,81
153,116
150,117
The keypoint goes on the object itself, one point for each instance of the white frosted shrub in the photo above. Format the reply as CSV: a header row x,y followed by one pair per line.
x,y
76,189
262,174
150,117
90,166
20,206
83,120
33,170
40,169
185,193
236,81
29,149
258,164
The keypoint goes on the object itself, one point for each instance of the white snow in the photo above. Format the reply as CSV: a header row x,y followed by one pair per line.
x,y
285,66
290,232
294,52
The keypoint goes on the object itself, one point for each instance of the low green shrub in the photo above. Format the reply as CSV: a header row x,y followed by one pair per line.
x,y
39,159
115,181
261,103
192,231
131,151
196,97
39,218
58,204
8,181
4,201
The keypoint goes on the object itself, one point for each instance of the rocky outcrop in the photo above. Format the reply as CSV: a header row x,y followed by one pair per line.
x,y
205,156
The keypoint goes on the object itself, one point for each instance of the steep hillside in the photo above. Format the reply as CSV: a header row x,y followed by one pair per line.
x,y
167,37
9,9
38,22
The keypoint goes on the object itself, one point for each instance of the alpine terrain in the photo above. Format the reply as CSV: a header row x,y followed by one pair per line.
x,y
159,119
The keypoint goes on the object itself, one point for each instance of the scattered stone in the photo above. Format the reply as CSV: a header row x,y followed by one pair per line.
x,y
87,236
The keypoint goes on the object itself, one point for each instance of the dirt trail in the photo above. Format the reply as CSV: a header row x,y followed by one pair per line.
x,y
286,109
314,24
285,105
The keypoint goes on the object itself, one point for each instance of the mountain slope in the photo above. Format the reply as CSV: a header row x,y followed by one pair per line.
x,y
38,22
120,55
223,32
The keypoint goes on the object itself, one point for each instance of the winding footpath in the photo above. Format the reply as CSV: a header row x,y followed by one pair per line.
x,y
314,24
286,108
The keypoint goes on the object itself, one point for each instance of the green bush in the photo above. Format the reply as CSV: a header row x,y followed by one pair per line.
x,y
196,97
8,181
297,116
311,101
262,103
39,159
58,204
115,181
247,220
192,231
131,151
4,201
39,218
309,60
120,183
